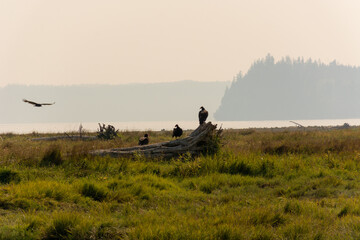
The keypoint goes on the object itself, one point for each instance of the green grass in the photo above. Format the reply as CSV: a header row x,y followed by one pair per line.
x,y
263,184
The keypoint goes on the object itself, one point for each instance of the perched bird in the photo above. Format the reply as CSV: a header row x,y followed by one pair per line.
x,y
144,140
203,114
177,131
37,104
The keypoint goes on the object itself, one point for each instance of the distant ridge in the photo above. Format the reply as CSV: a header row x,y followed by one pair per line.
x,y
173,101
292,89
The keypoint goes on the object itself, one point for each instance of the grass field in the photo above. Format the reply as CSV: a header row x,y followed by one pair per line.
x,y
263,184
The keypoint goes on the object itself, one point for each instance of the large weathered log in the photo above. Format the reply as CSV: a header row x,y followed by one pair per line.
x,y
196,143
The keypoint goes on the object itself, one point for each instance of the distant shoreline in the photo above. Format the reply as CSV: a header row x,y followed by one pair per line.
x,y
54,128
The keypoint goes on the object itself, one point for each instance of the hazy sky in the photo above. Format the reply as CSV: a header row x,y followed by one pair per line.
x,y
127,41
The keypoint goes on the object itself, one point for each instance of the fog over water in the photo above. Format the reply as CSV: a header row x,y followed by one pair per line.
x,y
149,61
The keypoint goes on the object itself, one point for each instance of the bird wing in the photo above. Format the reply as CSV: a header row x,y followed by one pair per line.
x,y
203,114
27,101
206,113
47,103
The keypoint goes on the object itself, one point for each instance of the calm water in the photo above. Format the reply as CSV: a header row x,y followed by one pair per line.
x,y
158,125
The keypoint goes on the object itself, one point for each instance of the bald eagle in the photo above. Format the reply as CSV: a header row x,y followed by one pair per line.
x,y
203,114
177,131
144,140
37,104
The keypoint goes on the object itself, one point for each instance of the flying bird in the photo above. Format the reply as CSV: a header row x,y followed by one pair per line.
x,y
203,114
144,140
177,131
37,104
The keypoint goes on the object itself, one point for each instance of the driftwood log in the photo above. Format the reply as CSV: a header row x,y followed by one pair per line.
x,y
199,141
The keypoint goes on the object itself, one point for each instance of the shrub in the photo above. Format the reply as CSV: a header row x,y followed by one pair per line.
x,y
7,176
207,187
33,222
266,169
213,143
22,203
107,132
240,168
267,217
61,227
52,157
295,232
108,230
292,208
90,190
344,212
237,167
190,169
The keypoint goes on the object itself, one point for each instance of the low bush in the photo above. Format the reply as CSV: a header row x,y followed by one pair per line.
x,y
52,157
94,192
7,176
238,167
107,132
344,212
61,226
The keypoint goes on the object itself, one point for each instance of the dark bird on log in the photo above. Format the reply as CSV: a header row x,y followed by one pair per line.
x,y
144,140
203,114
37,104
177,131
